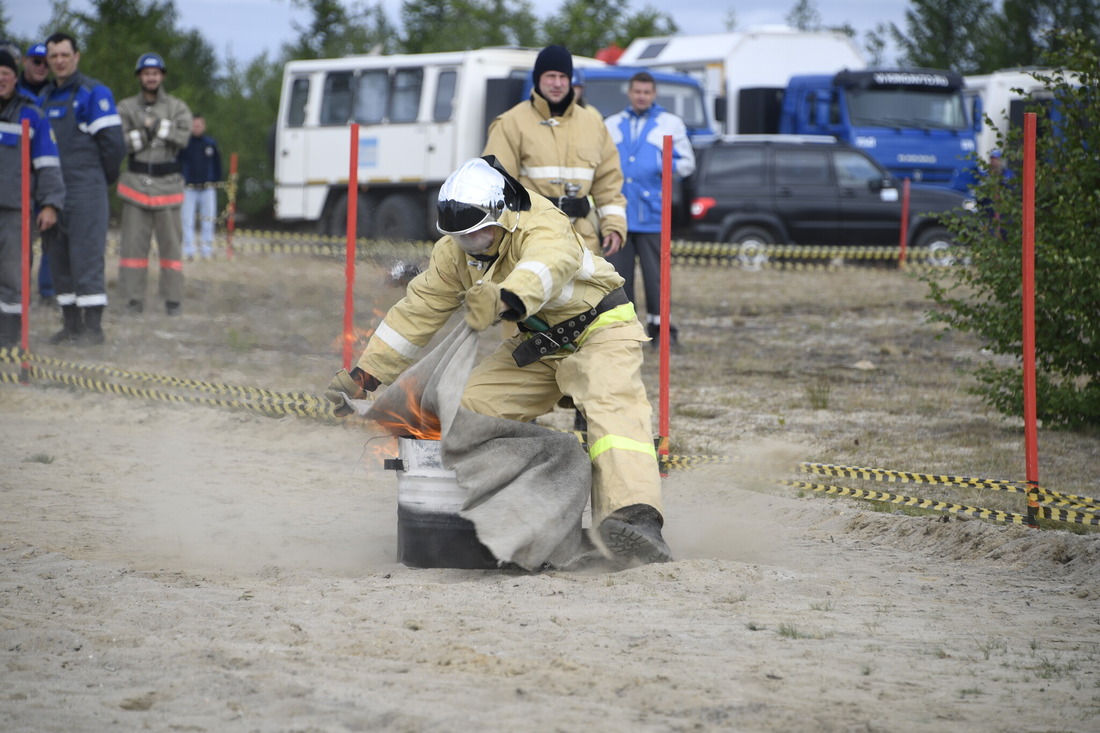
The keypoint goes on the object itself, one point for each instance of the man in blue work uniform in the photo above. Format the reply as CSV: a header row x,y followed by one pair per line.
x,y
202,169
89,136
47,190
32,81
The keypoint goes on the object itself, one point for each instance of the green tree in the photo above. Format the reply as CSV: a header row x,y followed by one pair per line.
x,y
804,16
336,32
586,26
943,34
1021,34
984,298
458,25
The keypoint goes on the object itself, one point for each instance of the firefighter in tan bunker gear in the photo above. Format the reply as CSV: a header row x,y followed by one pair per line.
x,y
563,151
157,126
509,254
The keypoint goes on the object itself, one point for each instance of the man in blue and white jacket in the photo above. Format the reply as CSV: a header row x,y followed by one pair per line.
x,y
638,132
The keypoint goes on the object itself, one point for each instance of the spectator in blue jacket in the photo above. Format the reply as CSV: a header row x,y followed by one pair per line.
x,y
32,81
638,132
202,170
47,190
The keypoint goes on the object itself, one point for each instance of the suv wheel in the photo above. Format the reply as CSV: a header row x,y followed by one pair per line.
x,y
752,252
939,247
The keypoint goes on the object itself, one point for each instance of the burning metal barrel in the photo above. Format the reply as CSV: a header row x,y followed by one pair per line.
x,y
430,532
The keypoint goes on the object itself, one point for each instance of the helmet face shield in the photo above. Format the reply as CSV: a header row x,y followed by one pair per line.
x,y
457,217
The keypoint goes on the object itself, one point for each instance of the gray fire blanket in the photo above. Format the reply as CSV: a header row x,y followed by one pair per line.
x,y
526,485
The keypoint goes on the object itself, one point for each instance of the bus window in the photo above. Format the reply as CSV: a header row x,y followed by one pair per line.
x,y
405,102
370,96
336,102
445,96
296,109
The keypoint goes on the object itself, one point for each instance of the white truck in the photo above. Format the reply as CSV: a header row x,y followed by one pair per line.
x,y
743,65
419,116
1004,96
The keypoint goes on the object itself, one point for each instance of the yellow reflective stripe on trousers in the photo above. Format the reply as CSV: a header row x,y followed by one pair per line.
x,y
608,442
618,314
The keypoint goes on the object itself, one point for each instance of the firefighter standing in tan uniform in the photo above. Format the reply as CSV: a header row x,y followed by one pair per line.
x,y
510,254
563,151
157,126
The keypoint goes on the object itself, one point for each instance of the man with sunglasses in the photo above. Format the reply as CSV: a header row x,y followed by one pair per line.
x,y
508,253
35,73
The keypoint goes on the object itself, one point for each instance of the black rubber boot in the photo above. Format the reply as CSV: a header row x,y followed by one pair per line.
x,y
92,335
9,330
71,328
632,536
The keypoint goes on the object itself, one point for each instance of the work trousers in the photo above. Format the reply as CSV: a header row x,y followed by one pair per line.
x,y
646,248
77,246
11,262
604,379
138,227
205,202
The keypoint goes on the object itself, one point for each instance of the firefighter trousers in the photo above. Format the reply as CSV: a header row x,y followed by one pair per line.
x,y
139,225
604,379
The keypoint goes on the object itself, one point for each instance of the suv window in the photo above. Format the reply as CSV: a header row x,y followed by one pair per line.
x,y
854,170
737,165
799,167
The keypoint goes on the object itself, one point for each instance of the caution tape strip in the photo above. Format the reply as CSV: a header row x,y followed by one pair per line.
x,y
886,475
911,501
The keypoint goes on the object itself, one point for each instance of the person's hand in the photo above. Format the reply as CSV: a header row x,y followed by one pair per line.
x,y
47,217
345,384
483,305
612,243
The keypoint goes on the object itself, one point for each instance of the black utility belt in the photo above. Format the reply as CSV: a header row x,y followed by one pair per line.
x,y
563,335
166,168
574,208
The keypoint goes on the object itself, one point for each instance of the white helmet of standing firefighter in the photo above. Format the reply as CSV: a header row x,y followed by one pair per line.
x,y
150,61
472,201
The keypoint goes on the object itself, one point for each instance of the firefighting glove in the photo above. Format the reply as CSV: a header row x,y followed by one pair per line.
x,y
483,305
354,385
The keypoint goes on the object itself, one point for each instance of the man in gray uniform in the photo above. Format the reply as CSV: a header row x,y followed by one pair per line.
x,y
157,126
85,122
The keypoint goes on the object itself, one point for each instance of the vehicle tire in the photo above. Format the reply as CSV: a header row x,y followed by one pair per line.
x,y
399,218
940,248
335,221
753,241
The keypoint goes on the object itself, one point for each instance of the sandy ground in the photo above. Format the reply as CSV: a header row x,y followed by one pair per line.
x,y
180,567
189,568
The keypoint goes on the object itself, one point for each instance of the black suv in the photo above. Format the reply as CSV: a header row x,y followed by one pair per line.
x,y
809,190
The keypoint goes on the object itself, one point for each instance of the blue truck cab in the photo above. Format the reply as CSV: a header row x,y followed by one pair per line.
x,y
915,122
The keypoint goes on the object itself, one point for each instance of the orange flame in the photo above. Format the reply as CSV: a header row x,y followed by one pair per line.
x,y
358,336
410,418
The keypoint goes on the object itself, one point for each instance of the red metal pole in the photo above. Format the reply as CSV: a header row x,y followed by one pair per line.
x,y
1031,433
231,221
25,264
352,230
666,293
903,241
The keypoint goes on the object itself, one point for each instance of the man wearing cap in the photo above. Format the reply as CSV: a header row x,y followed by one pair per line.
x,y
508,253
32,81
35,72
559,149
47,190
85,122
157,127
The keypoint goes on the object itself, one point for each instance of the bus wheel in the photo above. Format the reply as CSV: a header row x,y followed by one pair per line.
x,y
335,222
400,219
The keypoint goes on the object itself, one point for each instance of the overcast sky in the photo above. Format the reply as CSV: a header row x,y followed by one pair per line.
x,y
245,28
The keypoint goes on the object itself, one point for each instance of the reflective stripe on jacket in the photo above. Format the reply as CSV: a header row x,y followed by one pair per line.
x,y
543,262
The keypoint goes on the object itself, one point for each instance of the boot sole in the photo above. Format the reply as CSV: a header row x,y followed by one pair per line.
x,y
625,543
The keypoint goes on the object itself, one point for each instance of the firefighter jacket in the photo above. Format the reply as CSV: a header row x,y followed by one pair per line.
x,y
551,155
640,139
542,262
88,131
47,185
153,177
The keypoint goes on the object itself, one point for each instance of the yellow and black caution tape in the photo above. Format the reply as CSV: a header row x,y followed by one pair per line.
x,y
911,501
1062,515
882,474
